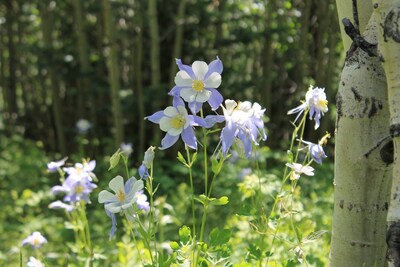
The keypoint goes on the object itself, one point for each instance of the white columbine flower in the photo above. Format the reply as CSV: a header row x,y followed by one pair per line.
x,y
317,103
36,240
299,169
124,197
33,262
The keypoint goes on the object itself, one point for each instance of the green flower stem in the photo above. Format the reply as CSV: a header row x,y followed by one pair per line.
x,y
286,175
189,160
134,239
205,156
146,242
151,213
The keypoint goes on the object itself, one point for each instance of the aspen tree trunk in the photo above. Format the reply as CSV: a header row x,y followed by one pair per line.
x,y
388,13
179,23
362,170
83,56
155,59
47,30
138,58
113,72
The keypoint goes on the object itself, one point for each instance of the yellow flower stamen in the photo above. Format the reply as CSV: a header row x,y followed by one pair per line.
x,y
198,85
78,189
178,121
323,103
121,196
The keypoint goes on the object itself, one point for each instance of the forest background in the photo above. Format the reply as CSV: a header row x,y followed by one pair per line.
x,y
113,62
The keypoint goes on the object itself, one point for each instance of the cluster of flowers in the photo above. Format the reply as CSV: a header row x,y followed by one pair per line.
x,y
317,104
197,84
77,185
36,240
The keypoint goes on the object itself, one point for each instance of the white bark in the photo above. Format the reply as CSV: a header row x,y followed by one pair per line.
x,y
388,12
362,170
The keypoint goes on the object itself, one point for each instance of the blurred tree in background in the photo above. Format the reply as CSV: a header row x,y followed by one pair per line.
x,y
112,62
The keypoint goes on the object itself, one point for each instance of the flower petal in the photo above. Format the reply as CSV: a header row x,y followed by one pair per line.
x,y
211,120
174,131
215,99
200,69
189,138
165,124
213,81
196,121
186,68
195,107
182,79
170,111
105,196
175,91
156,117
202,96
117,184
113,207
214,66
227,137
168,141
177,101
188,94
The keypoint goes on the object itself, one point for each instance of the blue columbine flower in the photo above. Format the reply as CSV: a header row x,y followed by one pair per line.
x,y
123,199
316,102
316,151
126,149
197,84
81,171
36,240
175,121
243,122
75,189
53,166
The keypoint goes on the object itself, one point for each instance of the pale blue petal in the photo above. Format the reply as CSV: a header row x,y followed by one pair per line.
x,y
214,66
196,121
186,68
168,141
177,101
227,137
128,184
114,223
189,138
211,120
246,143
215,99
195,107
156,117
143,171
175,91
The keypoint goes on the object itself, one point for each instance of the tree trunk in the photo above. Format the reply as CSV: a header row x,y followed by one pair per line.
x,y
83,56
113,72
362,170
47,31
11,87
388,13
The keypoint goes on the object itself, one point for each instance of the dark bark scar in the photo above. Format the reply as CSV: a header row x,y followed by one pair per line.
x,y
391,26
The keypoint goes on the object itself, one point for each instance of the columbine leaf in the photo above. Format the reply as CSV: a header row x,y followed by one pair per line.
x,y
182,159
219,237
115,159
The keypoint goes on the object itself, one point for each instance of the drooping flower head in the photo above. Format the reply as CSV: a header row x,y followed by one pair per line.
x,y
53,166
316,151
243,122
298,169
123,199
146,164
142,202
175,121
317,103
197,84
36,240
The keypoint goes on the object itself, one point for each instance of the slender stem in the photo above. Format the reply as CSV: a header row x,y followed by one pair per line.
x,y
189,160
146,242
205,156
151,215
134,239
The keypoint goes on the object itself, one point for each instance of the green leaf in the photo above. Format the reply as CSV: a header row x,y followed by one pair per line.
x,y
184,234
219,237
220,201
216,166
182,159
174,245
313,236
114,159
194,158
